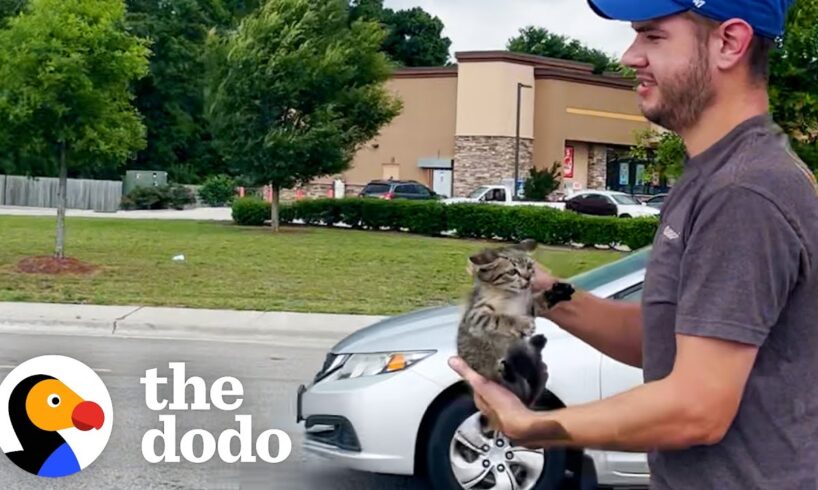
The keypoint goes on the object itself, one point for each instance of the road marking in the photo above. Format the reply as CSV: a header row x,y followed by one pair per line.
x,y
99,370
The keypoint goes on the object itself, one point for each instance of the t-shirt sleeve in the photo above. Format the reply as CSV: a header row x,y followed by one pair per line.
x,y
740,264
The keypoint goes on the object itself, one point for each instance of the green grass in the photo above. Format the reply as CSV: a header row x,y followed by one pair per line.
x,y
300,269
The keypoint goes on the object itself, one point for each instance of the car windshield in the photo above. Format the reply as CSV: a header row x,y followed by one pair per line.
x,y
624,199
600,276
477,192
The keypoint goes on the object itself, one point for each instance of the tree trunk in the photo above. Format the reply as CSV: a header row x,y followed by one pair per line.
x,y
274,208
62,201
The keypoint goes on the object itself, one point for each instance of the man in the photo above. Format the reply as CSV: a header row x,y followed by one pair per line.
x,y
727,330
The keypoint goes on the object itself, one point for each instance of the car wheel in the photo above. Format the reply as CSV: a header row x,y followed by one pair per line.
x,y
460,455
625,216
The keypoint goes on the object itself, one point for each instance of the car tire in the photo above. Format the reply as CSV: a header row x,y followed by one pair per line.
x,y
439,466
625,216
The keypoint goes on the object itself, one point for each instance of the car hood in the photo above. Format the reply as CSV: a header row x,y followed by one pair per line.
x,y
427,329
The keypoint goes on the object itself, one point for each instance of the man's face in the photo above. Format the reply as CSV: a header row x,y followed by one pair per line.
x,y
672,64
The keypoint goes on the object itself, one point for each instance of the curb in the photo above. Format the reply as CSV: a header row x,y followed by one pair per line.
x,y
194,324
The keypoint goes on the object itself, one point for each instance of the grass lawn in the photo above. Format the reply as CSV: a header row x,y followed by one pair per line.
x,y
300,269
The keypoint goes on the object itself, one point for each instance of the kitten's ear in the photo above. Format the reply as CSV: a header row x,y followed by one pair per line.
x,y
483,258
528,245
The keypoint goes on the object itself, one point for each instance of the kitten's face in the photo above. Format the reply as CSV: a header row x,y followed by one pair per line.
x,y
509,269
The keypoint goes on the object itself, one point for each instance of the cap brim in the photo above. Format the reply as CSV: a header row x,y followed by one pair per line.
x,y
635,10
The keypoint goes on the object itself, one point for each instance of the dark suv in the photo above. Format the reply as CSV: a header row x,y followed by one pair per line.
x,y
398,189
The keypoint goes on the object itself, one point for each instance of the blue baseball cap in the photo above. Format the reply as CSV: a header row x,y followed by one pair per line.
x,y
767,17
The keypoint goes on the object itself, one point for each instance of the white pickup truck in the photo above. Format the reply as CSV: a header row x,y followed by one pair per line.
x,y
499,194
624,205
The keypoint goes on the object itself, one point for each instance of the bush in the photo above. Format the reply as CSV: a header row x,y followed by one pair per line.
x,y
253,211
178,196
481,221
218,191
174,196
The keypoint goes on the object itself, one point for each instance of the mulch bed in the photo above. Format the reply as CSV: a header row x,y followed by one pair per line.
x,y
54,266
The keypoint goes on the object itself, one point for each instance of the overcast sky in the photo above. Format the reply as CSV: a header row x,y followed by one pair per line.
x,y
487,24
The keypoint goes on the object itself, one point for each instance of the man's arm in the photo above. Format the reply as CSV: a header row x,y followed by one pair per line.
x,y
694,405
612,327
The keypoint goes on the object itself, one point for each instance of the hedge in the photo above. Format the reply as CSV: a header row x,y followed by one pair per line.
x,y
480,221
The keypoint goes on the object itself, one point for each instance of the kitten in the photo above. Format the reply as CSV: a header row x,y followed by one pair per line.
x,y
496,332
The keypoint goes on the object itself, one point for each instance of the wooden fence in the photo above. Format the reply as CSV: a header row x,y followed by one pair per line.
x,y
98,195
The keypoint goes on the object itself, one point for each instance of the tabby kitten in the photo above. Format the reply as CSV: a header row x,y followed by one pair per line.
x,y
496,332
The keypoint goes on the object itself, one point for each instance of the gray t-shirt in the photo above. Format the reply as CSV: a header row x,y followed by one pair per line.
x,y
736,258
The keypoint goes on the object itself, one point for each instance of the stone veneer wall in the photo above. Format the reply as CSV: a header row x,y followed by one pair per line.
x,y
482,160
313,191
597,167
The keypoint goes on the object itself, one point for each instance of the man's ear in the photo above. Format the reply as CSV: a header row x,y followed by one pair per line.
x,y
736,36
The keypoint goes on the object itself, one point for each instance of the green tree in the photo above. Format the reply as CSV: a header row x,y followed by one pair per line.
x,y
665,151
414,37
296,90
65,71
794,80
541,183
541,42
10,8
171,97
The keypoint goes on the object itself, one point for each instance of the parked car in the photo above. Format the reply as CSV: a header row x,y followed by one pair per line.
x,y
386,401
398,189
656,201
608,203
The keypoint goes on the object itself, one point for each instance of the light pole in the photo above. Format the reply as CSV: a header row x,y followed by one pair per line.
x,y
520,87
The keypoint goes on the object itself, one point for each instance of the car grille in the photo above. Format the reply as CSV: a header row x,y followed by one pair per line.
x,y
332,430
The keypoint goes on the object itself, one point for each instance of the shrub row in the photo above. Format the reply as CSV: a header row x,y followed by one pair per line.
x,y
481,221
173,196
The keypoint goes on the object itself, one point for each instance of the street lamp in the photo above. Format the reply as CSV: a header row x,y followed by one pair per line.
x,y
520,87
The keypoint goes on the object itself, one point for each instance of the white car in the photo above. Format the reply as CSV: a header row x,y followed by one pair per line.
x,y
386,401
626,205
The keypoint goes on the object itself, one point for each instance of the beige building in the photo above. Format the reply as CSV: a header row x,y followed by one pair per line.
x,y
459,124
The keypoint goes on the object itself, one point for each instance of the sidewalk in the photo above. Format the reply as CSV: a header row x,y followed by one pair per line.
x,y
180,323
199,214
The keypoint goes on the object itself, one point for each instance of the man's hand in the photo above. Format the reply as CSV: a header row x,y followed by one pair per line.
x,y
503,409
543,280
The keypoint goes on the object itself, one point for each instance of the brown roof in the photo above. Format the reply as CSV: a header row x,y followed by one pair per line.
x,y
544,68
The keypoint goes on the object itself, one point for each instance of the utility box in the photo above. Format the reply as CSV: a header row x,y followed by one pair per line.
x,y
143,178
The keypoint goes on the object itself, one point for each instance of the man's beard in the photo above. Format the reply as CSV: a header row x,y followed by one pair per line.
x,y
684,97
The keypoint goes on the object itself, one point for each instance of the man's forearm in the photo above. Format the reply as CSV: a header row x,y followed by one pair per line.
x,y
612,327
653,416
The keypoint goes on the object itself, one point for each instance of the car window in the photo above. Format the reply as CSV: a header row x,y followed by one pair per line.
x,y
477,192
600,276
419,189
632,294
405,189
376,189
624,199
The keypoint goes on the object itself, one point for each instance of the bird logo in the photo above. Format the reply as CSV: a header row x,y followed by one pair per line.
x,y
56,413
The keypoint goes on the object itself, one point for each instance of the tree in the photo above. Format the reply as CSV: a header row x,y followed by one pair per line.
x,y
794,80
65,71
295,91
171,97
414,37
541,42
541,183
664,150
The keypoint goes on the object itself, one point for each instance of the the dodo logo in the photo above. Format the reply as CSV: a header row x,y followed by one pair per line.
x,y
55,416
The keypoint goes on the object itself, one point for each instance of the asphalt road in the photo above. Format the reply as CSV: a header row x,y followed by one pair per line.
x,y
270,376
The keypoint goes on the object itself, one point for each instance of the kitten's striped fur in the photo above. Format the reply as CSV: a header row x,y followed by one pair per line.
x,y
495,333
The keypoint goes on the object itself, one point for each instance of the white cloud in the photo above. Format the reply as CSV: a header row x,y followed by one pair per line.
x,y
488,24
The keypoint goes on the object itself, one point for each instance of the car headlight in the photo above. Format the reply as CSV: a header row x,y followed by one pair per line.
x,y
359,365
